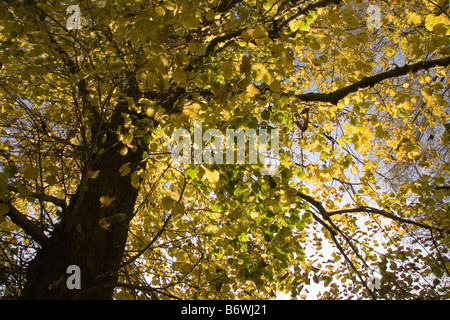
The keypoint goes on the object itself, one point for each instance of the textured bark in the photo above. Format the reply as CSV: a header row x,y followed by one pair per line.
x,y
79,240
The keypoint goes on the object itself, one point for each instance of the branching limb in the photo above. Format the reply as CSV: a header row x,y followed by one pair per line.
x,y
342,251
306,10
27,225
145,288
384,214
335,96
43,197
441,259
149,245
334,230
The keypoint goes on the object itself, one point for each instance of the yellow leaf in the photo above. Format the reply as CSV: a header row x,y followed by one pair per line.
x,y
135,180
413,18
104,223
191,22
144,101
125,169
258,32
431,21
150,112
437,111
354,170
225,114
106,200
160,11
275,86
168,203
213,176
118,217
124,151
197,48
179,76
210,15
252,91
227,70
93,174
126,138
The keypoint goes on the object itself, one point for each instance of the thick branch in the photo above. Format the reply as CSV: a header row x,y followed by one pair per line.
x,y
215,42
276,27
27,225
169,99
145,288
150,244
335,96
384,214
326,215
341,249
308,9
316,204
225,5
43,197
333,229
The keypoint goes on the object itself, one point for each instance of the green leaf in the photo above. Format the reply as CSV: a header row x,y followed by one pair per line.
x,y
191,173
243,237
275,86
304,24
245,66
347,161
168,203
30,172
197,48
300,225
4,209
380,133
147,138
178,209
10,170
24,191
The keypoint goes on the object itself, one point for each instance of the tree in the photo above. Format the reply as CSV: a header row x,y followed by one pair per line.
x,y
88,108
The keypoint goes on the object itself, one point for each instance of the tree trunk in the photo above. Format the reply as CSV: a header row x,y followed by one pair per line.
x,y
81,241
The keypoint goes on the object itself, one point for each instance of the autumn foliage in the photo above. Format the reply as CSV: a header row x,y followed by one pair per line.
x,y
361,190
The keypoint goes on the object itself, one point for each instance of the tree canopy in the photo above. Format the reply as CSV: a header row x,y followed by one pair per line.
x,y
357,91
